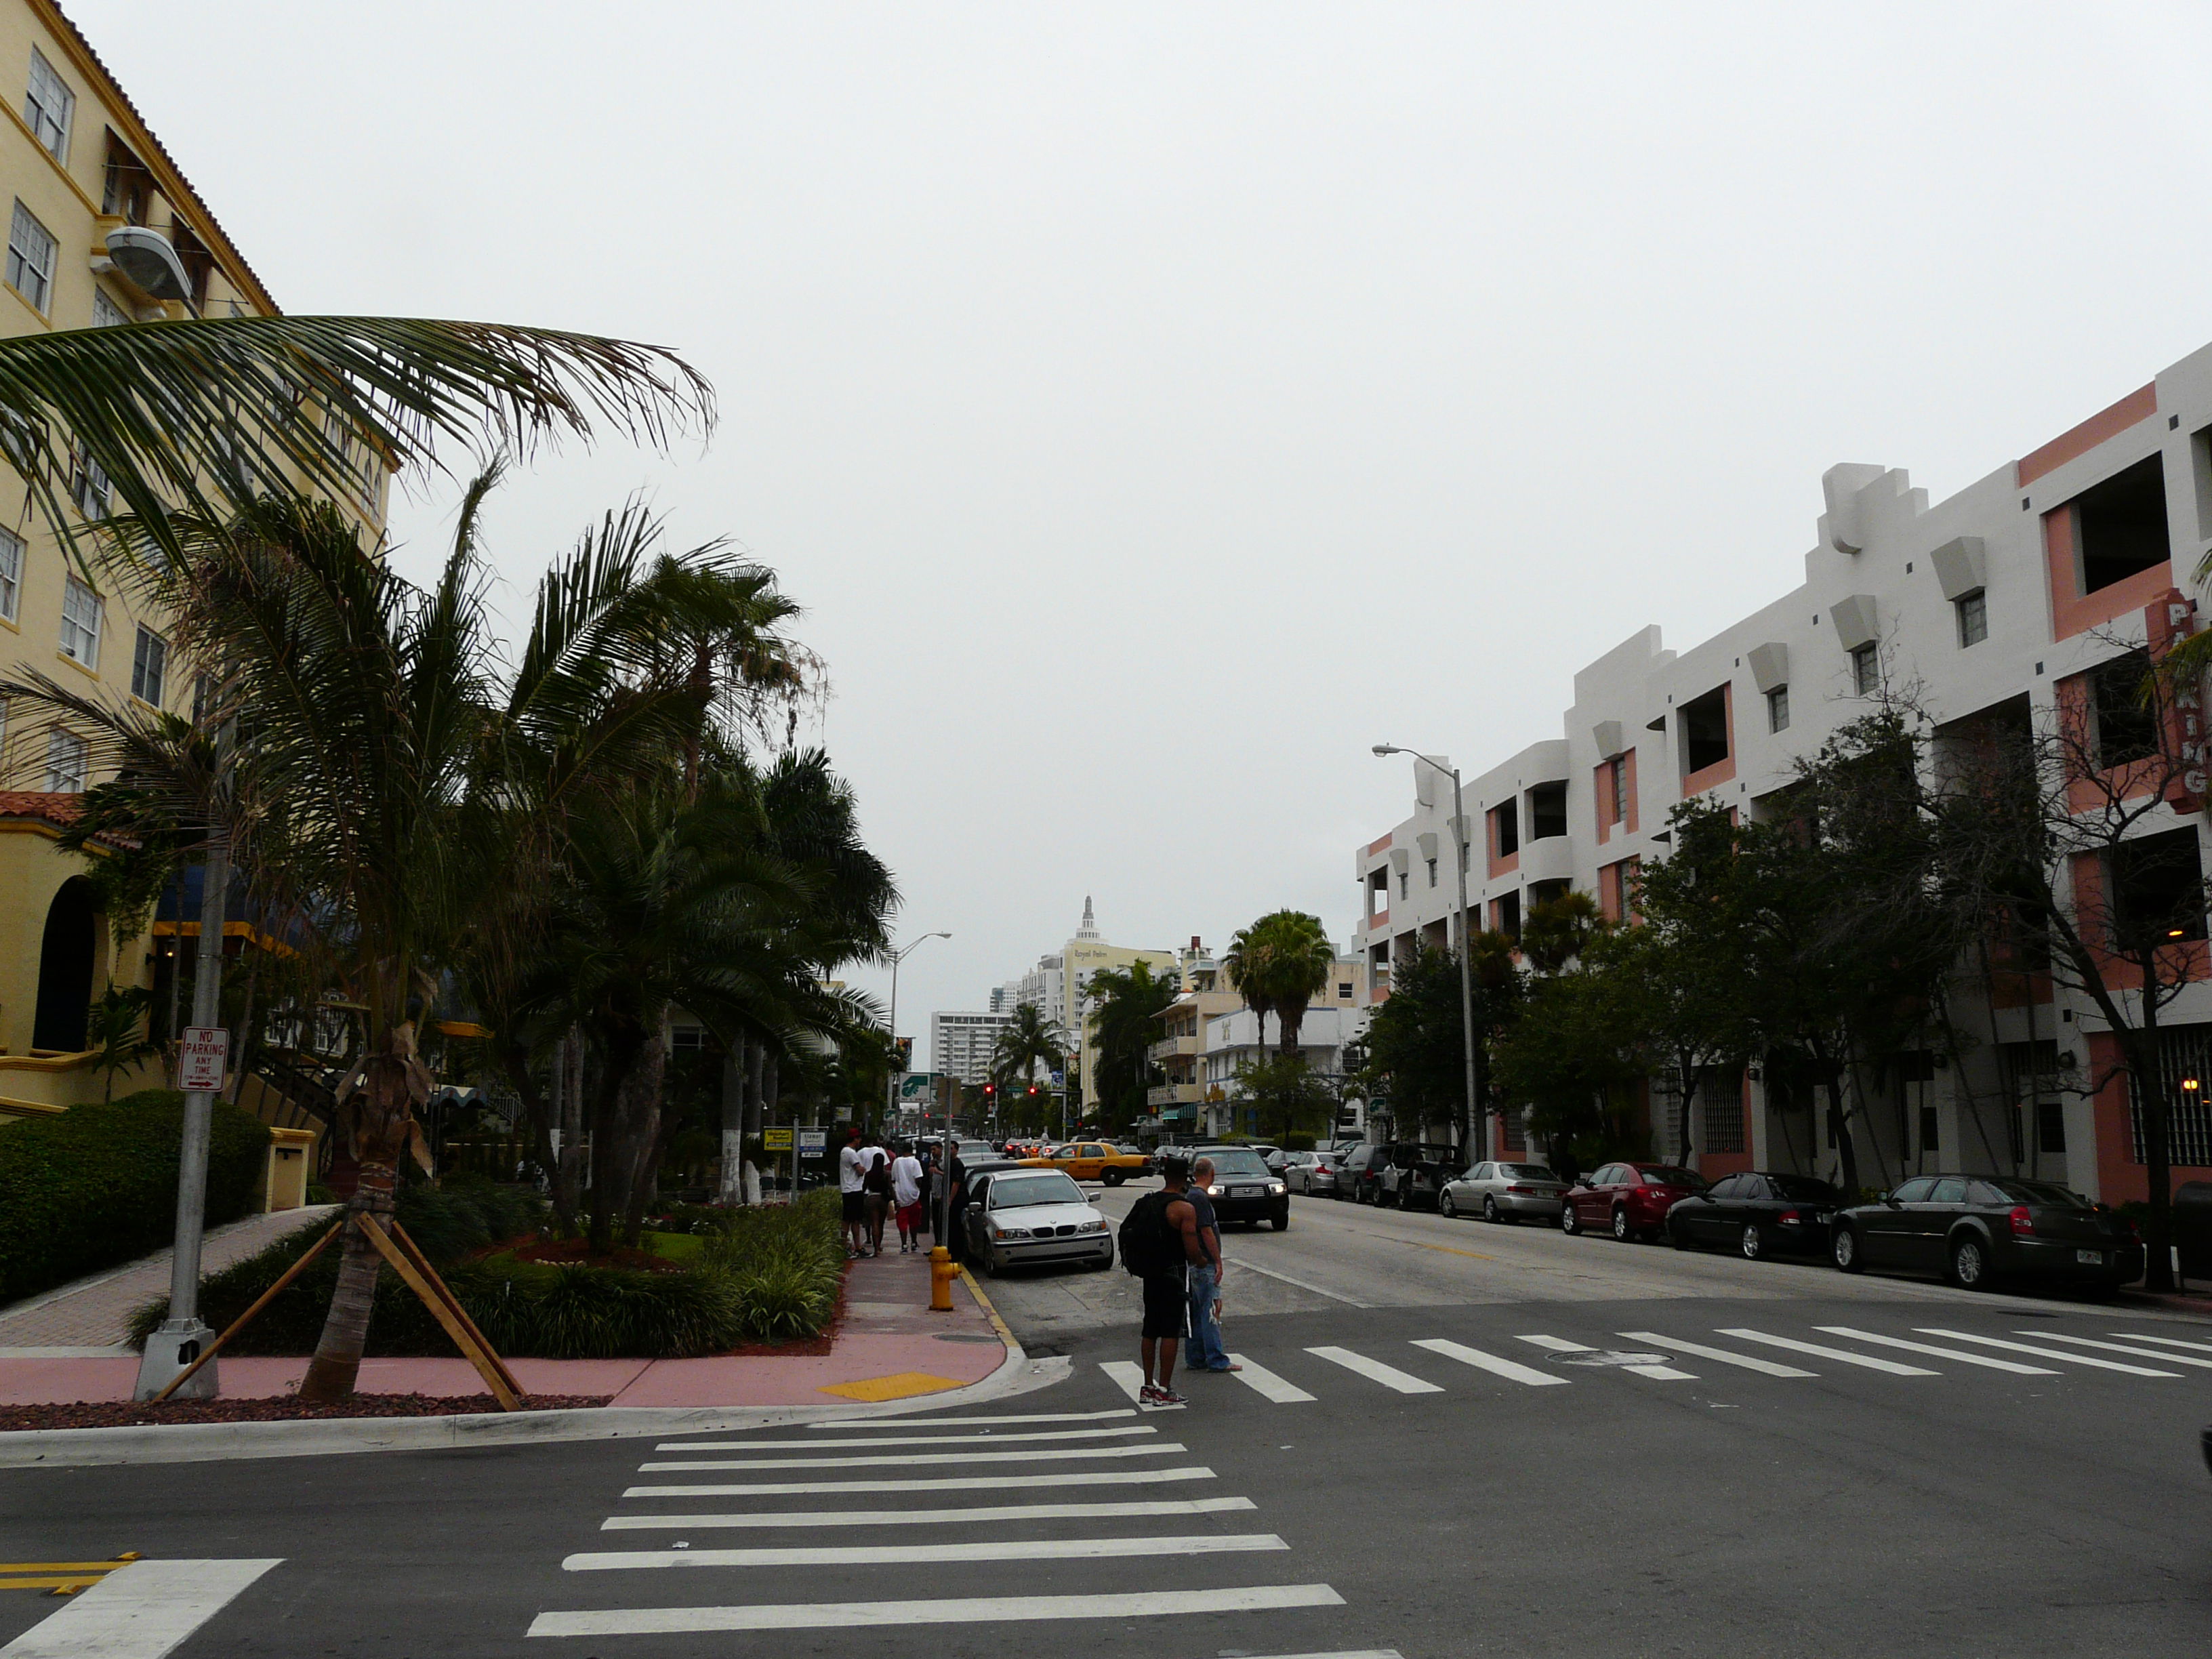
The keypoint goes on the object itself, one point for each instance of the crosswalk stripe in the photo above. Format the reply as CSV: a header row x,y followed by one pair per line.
x,y
965,1422
2044,1353
960,1483
1982,1359
1511,1370
890,1615
1750,1363
1039,1454
864,1555
1656,1373
1127,1375
927,1517
2165,1341
2114,1348
1263,1381
898,1440
1375,1371
1837,1354
143,1610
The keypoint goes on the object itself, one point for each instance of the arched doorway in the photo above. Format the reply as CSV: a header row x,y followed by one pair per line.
x,y
65,963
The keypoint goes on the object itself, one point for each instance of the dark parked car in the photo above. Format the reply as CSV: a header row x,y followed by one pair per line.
x,y
1244,1188
1631,1200
1975,1229
1757,1215
1404,1173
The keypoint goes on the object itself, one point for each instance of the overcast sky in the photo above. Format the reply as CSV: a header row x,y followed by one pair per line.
x,y
1155,406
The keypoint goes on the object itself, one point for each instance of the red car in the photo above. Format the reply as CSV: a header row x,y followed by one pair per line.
x,y
1628,1200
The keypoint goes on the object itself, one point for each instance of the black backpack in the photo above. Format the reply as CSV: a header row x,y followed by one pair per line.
x,y
1149,1244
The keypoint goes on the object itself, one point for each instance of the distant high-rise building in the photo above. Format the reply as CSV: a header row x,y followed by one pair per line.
x,y
961,1043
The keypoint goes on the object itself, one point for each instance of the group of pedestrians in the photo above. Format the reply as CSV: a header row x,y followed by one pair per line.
x,y
1174,1247
879,1182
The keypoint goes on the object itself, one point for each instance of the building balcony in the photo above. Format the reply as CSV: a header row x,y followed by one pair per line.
x,y
1174,1048
1175,1094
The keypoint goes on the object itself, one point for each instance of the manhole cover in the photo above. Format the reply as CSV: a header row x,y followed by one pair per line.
x,y
1610,1356
953,1337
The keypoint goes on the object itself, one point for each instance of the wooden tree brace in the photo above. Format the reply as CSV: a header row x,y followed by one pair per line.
x,y
495,1374
246,1318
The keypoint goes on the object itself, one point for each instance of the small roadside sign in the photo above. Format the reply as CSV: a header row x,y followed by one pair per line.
x,y
813,1143
775,1140
201,1055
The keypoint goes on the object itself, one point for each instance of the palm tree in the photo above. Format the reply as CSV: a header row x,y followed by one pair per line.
x,y
1281,962
1125,1001
1026,1042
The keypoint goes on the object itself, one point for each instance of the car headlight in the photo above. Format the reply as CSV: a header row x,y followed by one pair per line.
x,y
997,1231
1092,1227
1214,1192
1277,1187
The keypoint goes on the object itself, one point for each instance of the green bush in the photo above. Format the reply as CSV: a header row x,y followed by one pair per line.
x,y
467,1213
97,1185
771,1273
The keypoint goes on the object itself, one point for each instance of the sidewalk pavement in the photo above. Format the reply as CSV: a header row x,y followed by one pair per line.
x,y
890,1347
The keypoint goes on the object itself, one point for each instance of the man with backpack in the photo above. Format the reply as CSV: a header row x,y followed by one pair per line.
x,y
1160,1244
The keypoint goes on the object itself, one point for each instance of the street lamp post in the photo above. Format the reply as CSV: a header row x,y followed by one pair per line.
x,y
1478,1119
898,957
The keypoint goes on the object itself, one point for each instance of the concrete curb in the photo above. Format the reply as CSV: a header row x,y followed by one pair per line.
x,y
216,1443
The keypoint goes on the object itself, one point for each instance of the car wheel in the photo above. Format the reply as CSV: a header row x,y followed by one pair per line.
x,y
1754,1241
1490,1210
992,1266
1445,1206
1282,1223
1843,1250
1570,1223
1622,1230
1969,1263
1115,1177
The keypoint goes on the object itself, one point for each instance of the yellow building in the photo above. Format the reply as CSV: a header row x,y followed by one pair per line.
x,y
102,223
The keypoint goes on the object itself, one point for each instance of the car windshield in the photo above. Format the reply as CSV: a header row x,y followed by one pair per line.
x,y
1803,1189
1525,1172
1238,1163
1665,1175
1052,1186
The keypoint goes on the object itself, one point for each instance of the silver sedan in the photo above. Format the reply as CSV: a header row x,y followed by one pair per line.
x,y
1312,1173
1505,1192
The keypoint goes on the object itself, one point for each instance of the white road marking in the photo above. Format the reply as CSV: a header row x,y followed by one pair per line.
x,y
996,1482
1765,1367
1375,1371
966,1422
2044,1353
1656,1373
1260,1380
1981,1359
142,1611
1242,1266
963,1610
1127,1375
1041,1455
1512,1370
863,1555
2165,1341
898,1440
927,1517
1865,1359
1341,1653
2114,1348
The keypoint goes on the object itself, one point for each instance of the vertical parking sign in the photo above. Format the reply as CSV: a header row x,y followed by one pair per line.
x,y
201,1057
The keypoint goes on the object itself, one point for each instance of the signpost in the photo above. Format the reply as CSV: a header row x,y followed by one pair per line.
x,y
203,1054
813,1143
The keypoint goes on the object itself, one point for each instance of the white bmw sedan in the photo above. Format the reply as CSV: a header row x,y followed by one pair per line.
x,y
1024,1216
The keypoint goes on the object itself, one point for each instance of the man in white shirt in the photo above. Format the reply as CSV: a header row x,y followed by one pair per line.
x,y
906,1196
851,1174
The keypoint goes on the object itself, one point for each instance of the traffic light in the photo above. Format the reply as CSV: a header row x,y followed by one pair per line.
x,y
905,1047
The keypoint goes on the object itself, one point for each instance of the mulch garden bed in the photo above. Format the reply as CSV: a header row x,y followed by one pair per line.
x,y
569,1251
124,1414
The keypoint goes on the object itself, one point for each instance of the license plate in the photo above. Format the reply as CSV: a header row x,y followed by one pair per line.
x,y
2090,1258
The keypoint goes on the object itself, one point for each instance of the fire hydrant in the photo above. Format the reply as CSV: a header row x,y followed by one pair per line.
x,y
942,1272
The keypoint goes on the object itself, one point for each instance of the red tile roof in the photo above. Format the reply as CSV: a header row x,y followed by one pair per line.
x,y
59,808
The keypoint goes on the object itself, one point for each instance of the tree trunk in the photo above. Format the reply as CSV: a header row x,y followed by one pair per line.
x,y
730,1183
1839,1123
568,1169
541,1110
643,1097
771,1102
1686,1072
605,1203
336,1364
243,1063
755,1064
2147,1079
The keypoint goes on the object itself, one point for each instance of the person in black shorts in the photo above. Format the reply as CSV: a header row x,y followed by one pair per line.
x,y
1167,1293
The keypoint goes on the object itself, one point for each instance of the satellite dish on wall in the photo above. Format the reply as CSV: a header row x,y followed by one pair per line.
x,y
148,262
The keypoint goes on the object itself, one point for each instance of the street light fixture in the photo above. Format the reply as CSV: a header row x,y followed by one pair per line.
x,y
898,957
1478,1120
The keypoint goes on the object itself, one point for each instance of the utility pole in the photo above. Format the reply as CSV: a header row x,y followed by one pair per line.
x,y
897,1078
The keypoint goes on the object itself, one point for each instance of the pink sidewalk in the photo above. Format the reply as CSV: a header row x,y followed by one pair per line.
x,y
890,1346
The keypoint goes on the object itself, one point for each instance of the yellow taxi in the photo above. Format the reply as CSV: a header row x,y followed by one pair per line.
x,y
1093,1160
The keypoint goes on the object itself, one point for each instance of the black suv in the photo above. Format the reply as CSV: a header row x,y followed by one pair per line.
x,y
1404,1173
1244,1188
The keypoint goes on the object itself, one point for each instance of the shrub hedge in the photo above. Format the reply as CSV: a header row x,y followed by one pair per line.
x,y
770,1274
97,1185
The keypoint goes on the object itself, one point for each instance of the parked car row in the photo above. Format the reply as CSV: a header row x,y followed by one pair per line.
x,y
1970,1228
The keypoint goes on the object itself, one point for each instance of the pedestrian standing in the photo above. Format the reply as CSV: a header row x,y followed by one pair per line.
x,y
852,1195
1206,1352
876,1184
906,1178
1160,1244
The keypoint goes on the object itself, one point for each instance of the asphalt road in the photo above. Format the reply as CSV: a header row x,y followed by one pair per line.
x,y
1446,1486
